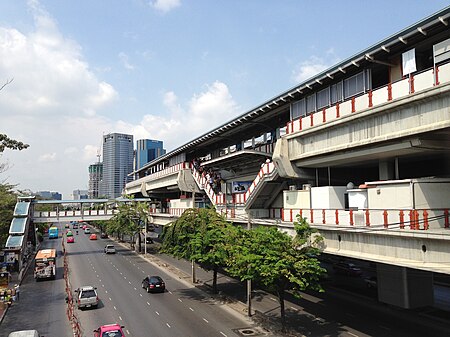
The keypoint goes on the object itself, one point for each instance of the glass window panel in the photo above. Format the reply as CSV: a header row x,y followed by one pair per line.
x,y
323,98
311,103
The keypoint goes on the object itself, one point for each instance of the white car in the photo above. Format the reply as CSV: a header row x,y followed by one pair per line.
x,y
110,249
87,231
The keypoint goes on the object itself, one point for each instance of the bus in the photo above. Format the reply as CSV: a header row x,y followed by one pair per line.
x,y
53,232
45,264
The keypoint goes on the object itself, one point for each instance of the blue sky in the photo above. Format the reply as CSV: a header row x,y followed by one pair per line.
x,y
164,69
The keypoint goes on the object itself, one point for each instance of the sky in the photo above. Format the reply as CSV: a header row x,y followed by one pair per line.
x,y
161,69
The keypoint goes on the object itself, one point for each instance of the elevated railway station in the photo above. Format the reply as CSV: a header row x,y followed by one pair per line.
x,y
361,150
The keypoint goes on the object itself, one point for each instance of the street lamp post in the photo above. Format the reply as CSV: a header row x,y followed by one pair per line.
x,y
145,237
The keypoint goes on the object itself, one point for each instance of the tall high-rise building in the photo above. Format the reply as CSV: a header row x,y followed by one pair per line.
x,y
117,163
95,176
80,194
147,150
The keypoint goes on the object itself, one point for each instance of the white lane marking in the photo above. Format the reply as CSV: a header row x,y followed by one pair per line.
x,y
140,295
114,307
125,277
103,285
295,309
120,317
120,272
352,334
106,291
180,300
273,299
110,298
191,309
128,332
134,287
170,292
205,320
157,313
143,272
168,325
148,303
129,282
222,334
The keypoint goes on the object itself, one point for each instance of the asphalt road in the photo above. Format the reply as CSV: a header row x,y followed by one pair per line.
x,y
180,311
41,305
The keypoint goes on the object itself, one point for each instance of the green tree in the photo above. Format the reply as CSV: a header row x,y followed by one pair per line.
x,y
129,220
278,261
199,235
8,201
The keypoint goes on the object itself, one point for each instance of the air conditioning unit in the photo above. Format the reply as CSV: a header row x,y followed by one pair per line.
x,y
306,187
292,188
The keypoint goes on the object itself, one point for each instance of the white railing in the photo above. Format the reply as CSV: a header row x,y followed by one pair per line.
x,y
160,174
412,219
216,199
402,88
241,198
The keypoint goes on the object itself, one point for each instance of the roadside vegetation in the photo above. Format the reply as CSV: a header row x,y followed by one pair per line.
x,y
263,255
8,195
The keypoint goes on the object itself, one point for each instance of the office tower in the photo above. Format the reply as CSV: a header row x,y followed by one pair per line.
x,y
49,195
95,176
147,150
117,163
80,194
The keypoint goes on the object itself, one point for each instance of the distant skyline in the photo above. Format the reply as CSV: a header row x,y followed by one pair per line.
x,y
168,70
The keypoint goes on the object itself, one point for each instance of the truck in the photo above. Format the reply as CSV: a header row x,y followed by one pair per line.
x,y
45,264
53,232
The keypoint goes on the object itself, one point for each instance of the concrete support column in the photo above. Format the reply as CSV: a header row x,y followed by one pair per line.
x,y
404,287
386,170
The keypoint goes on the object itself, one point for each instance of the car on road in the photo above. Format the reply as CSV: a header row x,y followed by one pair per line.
x,y
346,268
70,239
66,225
87,230
153,284
69,233
109,330
110,249
103,235
93,237
87,297
148,240
75,226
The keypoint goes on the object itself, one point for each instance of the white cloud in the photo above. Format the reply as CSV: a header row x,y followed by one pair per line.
x,y
47,157
165,5
314,65
55,104
203,112
52,104
124,59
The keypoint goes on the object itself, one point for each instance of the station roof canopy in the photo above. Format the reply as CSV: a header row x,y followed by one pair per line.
x,y
18,226
22,208
14,241
275,110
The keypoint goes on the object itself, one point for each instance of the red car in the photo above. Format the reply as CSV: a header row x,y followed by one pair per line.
x,y
70,239
109,330
93,237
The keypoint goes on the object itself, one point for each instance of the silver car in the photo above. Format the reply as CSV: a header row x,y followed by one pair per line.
x,y
87,297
